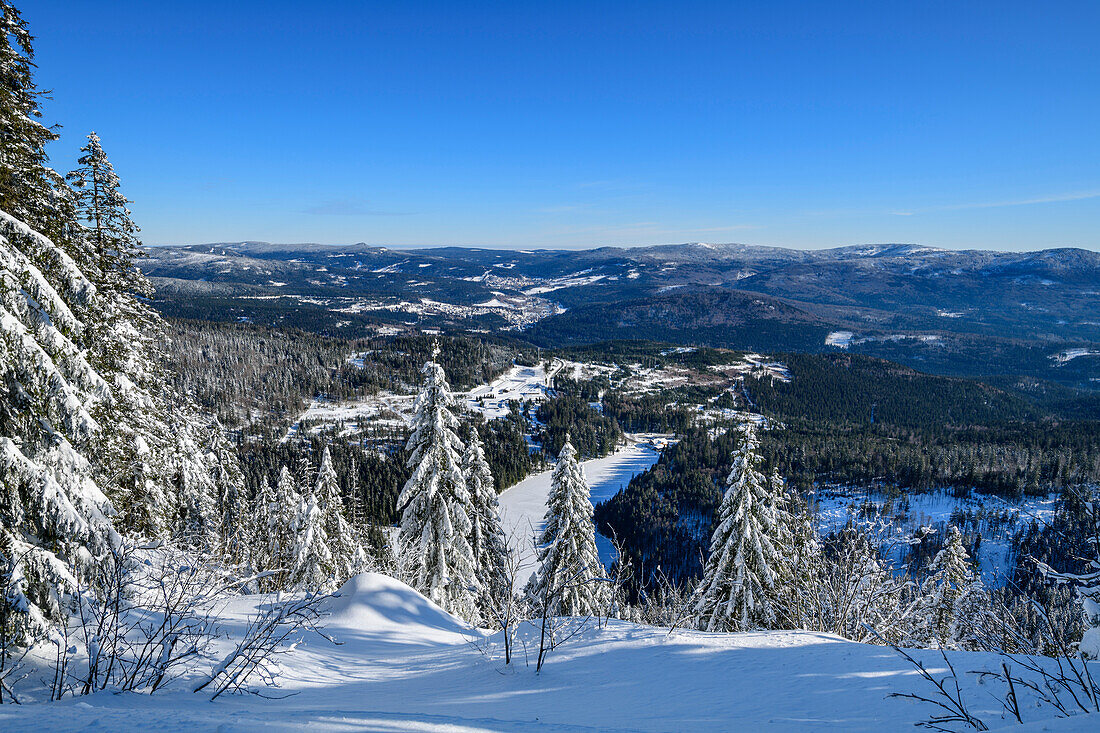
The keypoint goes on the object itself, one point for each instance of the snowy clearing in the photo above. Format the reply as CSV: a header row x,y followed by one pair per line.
x,y
839,339
405,665
1071,354
523,506
519,383
997,519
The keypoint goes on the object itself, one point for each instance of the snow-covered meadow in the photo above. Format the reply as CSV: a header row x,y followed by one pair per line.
x,y
402,664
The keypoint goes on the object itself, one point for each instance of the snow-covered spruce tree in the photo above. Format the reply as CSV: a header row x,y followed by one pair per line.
x,y
30,191
435,505
738,588
233,505
569,579
53,515
276,510
124,337
343,540
103,209
949,583
799,582
51,510
198,525
304,473
311,567
1087,585
859,597
259,549
487,539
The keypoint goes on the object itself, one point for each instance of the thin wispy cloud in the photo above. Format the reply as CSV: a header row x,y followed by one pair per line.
x,y
650,229
1052,199
1056,198
563,209
347,207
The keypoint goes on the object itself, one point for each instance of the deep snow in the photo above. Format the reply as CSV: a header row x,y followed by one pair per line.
x,y
405,665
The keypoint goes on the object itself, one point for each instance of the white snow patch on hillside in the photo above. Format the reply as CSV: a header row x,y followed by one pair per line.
x,y
572,281
1071,354
844,339
520,383
390,269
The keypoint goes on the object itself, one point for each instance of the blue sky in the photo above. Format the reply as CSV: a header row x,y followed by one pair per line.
x,y
561,124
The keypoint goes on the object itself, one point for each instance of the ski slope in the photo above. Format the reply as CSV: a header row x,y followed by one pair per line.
x,y
520,384
523,506
404,665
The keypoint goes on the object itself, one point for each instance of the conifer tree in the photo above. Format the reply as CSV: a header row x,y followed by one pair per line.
x,y
799,581
312,559
261,520
229,488
487,539
347,552
124,336
138,483
198,525
435,504
277,526
738,588
53,515
304,473
30,191
103,209
569,577
950,579
1087,585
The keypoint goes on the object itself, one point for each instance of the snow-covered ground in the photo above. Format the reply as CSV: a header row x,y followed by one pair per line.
x,y
998,519
519,383
844,339
1071,354
402,664
523,506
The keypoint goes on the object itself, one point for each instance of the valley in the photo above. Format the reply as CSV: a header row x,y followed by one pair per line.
x,y
485,439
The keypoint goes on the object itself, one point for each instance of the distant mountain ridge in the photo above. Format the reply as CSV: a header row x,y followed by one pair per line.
x,y
971,312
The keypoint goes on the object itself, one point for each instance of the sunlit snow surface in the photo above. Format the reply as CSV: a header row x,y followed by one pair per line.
x,y
404,665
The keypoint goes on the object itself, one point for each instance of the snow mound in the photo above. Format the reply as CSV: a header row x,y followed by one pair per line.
x,y
379,604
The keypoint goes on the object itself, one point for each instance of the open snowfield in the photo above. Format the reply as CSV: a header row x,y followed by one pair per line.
x,y
405,665
523,506
519,383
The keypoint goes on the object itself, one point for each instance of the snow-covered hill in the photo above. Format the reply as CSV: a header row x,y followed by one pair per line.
x,y
405,665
